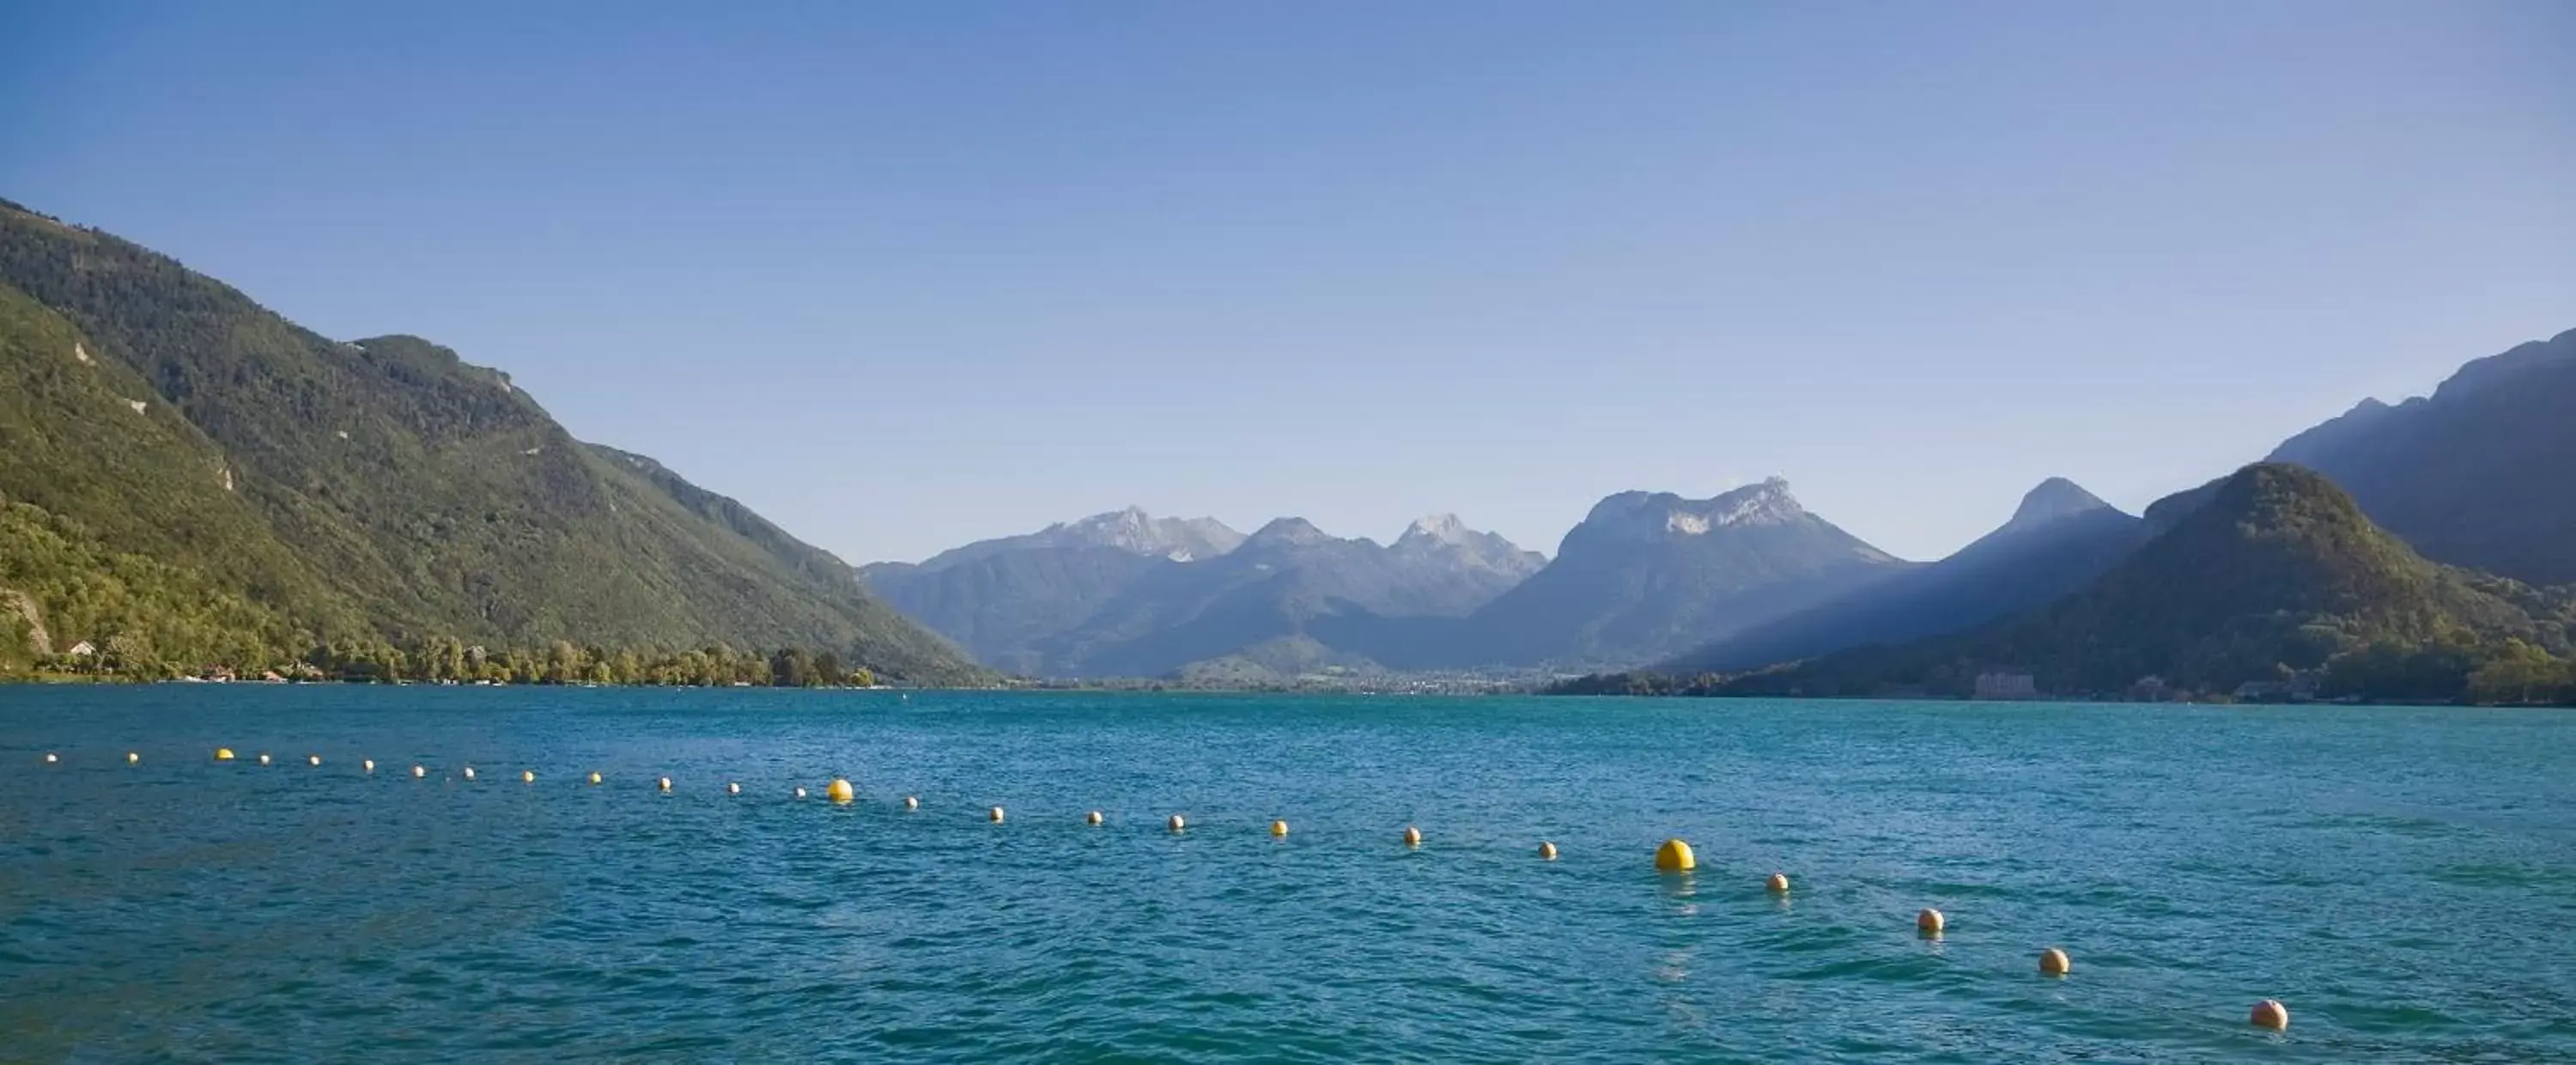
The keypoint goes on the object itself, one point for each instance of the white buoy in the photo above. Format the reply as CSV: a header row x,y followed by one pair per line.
x,y
1546,851
1412,836
2270,1013
263,759
800,793
469,772
527,776
666,783
50,758
132,757
1092,818
594,776
997,815
733,788
1930,923
313,759
369,765
1176,824
913,802
418,772
1778,884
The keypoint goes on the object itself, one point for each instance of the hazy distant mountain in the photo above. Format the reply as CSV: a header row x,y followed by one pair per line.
x,y
1645,576
2478,474
2061,538
2268,571
1128,595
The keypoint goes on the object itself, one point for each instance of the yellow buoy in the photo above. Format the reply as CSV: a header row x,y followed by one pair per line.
x,y
418,772
1778,884
263,758
50,758
997,815
469,772
594,777
1278,828
1675,857
313,759
732,788
2270,1013
1092,818
1176,824
369,765
2053,962
666,783
223,754
527,776
132,757
1412,836
912,802
1546,851
840,791
1930,922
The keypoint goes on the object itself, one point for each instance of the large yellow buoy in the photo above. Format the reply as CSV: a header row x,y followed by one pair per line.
x,y
132,757
1176,824
313,759
912,802
997,815
369,765
469,772
732,788
418,772
1412,836
1279,828
2053,962
2270,1013
1778,884
666,783
1675,857
1546,851
1930,922
1092,818
840,791
594,776
527,776
223,754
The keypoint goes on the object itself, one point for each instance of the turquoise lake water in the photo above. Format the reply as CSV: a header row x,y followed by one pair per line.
x,y
2404,879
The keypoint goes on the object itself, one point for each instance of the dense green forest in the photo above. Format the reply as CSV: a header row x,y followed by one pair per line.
x,y
224,486
2268,584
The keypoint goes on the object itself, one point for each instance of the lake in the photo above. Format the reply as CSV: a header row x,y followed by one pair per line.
x,y
2403,878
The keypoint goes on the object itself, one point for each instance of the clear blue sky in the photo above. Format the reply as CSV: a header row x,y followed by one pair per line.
x,y
905,275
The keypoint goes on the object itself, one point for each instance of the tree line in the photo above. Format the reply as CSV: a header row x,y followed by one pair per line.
x,y
451,660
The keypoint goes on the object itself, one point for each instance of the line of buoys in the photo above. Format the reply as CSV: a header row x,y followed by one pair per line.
x,y
1930,923
997,815
1176,824
840,791
1412,836
1546,851
1279,829
1092,818
1675,857
2270,1013
2053,962
1778,884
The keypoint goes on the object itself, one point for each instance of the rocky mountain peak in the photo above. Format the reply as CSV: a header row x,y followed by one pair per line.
x,y
1288,532
2053,499
1662,515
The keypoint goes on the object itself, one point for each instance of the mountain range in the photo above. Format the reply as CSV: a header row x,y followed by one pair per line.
x,y
216,483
